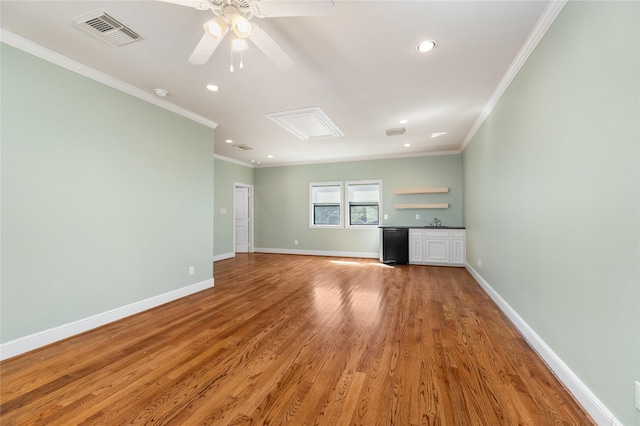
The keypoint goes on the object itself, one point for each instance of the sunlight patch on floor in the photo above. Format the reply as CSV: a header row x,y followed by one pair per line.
x,y
353,263
345,262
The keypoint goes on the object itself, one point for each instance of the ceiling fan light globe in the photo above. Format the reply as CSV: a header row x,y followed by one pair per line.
x,y
241,26
216,28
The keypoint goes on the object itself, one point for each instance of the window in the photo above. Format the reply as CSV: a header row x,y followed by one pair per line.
x,y
326,204
363,199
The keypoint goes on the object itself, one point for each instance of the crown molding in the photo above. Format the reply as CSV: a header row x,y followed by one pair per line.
x,y
547,18
232,160
365,158
42,52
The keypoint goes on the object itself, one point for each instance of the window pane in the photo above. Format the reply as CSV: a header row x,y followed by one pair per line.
x,y
326,215
363,215
326,194
369,193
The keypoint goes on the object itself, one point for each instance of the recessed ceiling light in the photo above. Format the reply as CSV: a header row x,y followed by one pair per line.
x,y
269,156
228,140
407,145
435,135
403,121
161,92
426,46
212,88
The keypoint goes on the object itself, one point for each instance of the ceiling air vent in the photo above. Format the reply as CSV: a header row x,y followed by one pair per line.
x,y
395,132
243,147
107,28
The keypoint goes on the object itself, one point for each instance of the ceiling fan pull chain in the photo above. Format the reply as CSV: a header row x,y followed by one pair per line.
x,y
231,52
241,49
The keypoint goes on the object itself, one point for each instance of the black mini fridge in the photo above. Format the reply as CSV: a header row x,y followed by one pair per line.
x,y
395,246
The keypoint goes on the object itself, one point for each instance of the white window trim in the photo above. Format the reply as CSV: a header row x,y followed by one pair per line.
x,y
347,210
315,184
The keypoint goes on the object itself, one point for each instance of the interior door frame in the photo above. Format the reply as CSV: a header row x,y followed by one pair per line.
x,y
251,216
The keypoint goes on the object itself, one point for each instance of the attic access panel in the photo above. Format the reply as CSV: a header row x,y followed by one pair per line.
x,y
306,123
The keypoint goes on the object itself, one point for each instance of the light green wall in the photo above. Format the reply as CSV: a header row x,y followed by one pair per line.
x,y
106,199
552,197
226,174
282,200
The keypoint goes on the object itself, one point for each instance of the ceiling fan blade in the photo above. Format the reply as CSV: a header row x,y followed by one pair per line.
x,y
197,4
280,8
270,48
205,48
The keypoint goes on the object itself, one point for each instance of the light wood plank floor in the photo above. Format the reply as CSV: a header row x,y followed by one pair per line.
x,y
298,340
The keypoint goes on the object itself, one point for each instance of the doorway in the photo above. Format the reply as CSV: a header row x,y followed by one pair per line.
x,y
243,218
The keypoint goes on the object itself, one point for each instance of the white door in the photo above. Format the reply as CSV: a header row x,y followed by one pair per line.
x,y
242,219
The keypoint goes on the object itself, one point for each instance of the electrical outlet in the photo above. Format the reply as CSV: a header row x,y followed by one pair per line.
x,y
638,395
386,217
417,217
295,242
479,263
192,270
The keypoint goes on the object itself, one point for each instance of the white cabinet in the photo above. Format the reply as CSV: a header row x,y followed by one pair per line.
x,y
415,245
437,246
458,247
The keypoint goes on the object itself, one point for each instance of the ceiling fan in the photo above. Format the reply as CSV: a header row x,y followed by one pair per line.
x,y
234,16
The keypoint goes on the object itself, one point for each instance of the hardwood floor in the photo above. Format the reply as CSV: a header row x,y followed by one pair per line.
x,y
298,340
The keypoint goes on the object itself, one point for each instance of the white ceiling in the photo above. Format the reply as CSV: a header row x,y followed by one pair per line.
x,y
359,65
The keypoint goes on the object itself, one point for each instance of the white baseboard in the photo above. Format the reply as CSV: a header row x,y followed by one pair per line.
x,y
365,254
223,256
46,337
592,405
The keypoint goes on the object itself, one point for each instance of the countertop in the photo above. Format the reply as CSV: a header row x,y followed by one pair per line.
x,y
421,227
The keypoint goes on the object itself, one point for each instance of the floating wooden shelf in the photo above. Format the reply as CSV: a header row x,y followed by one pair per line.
x,y
422,191
423,206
